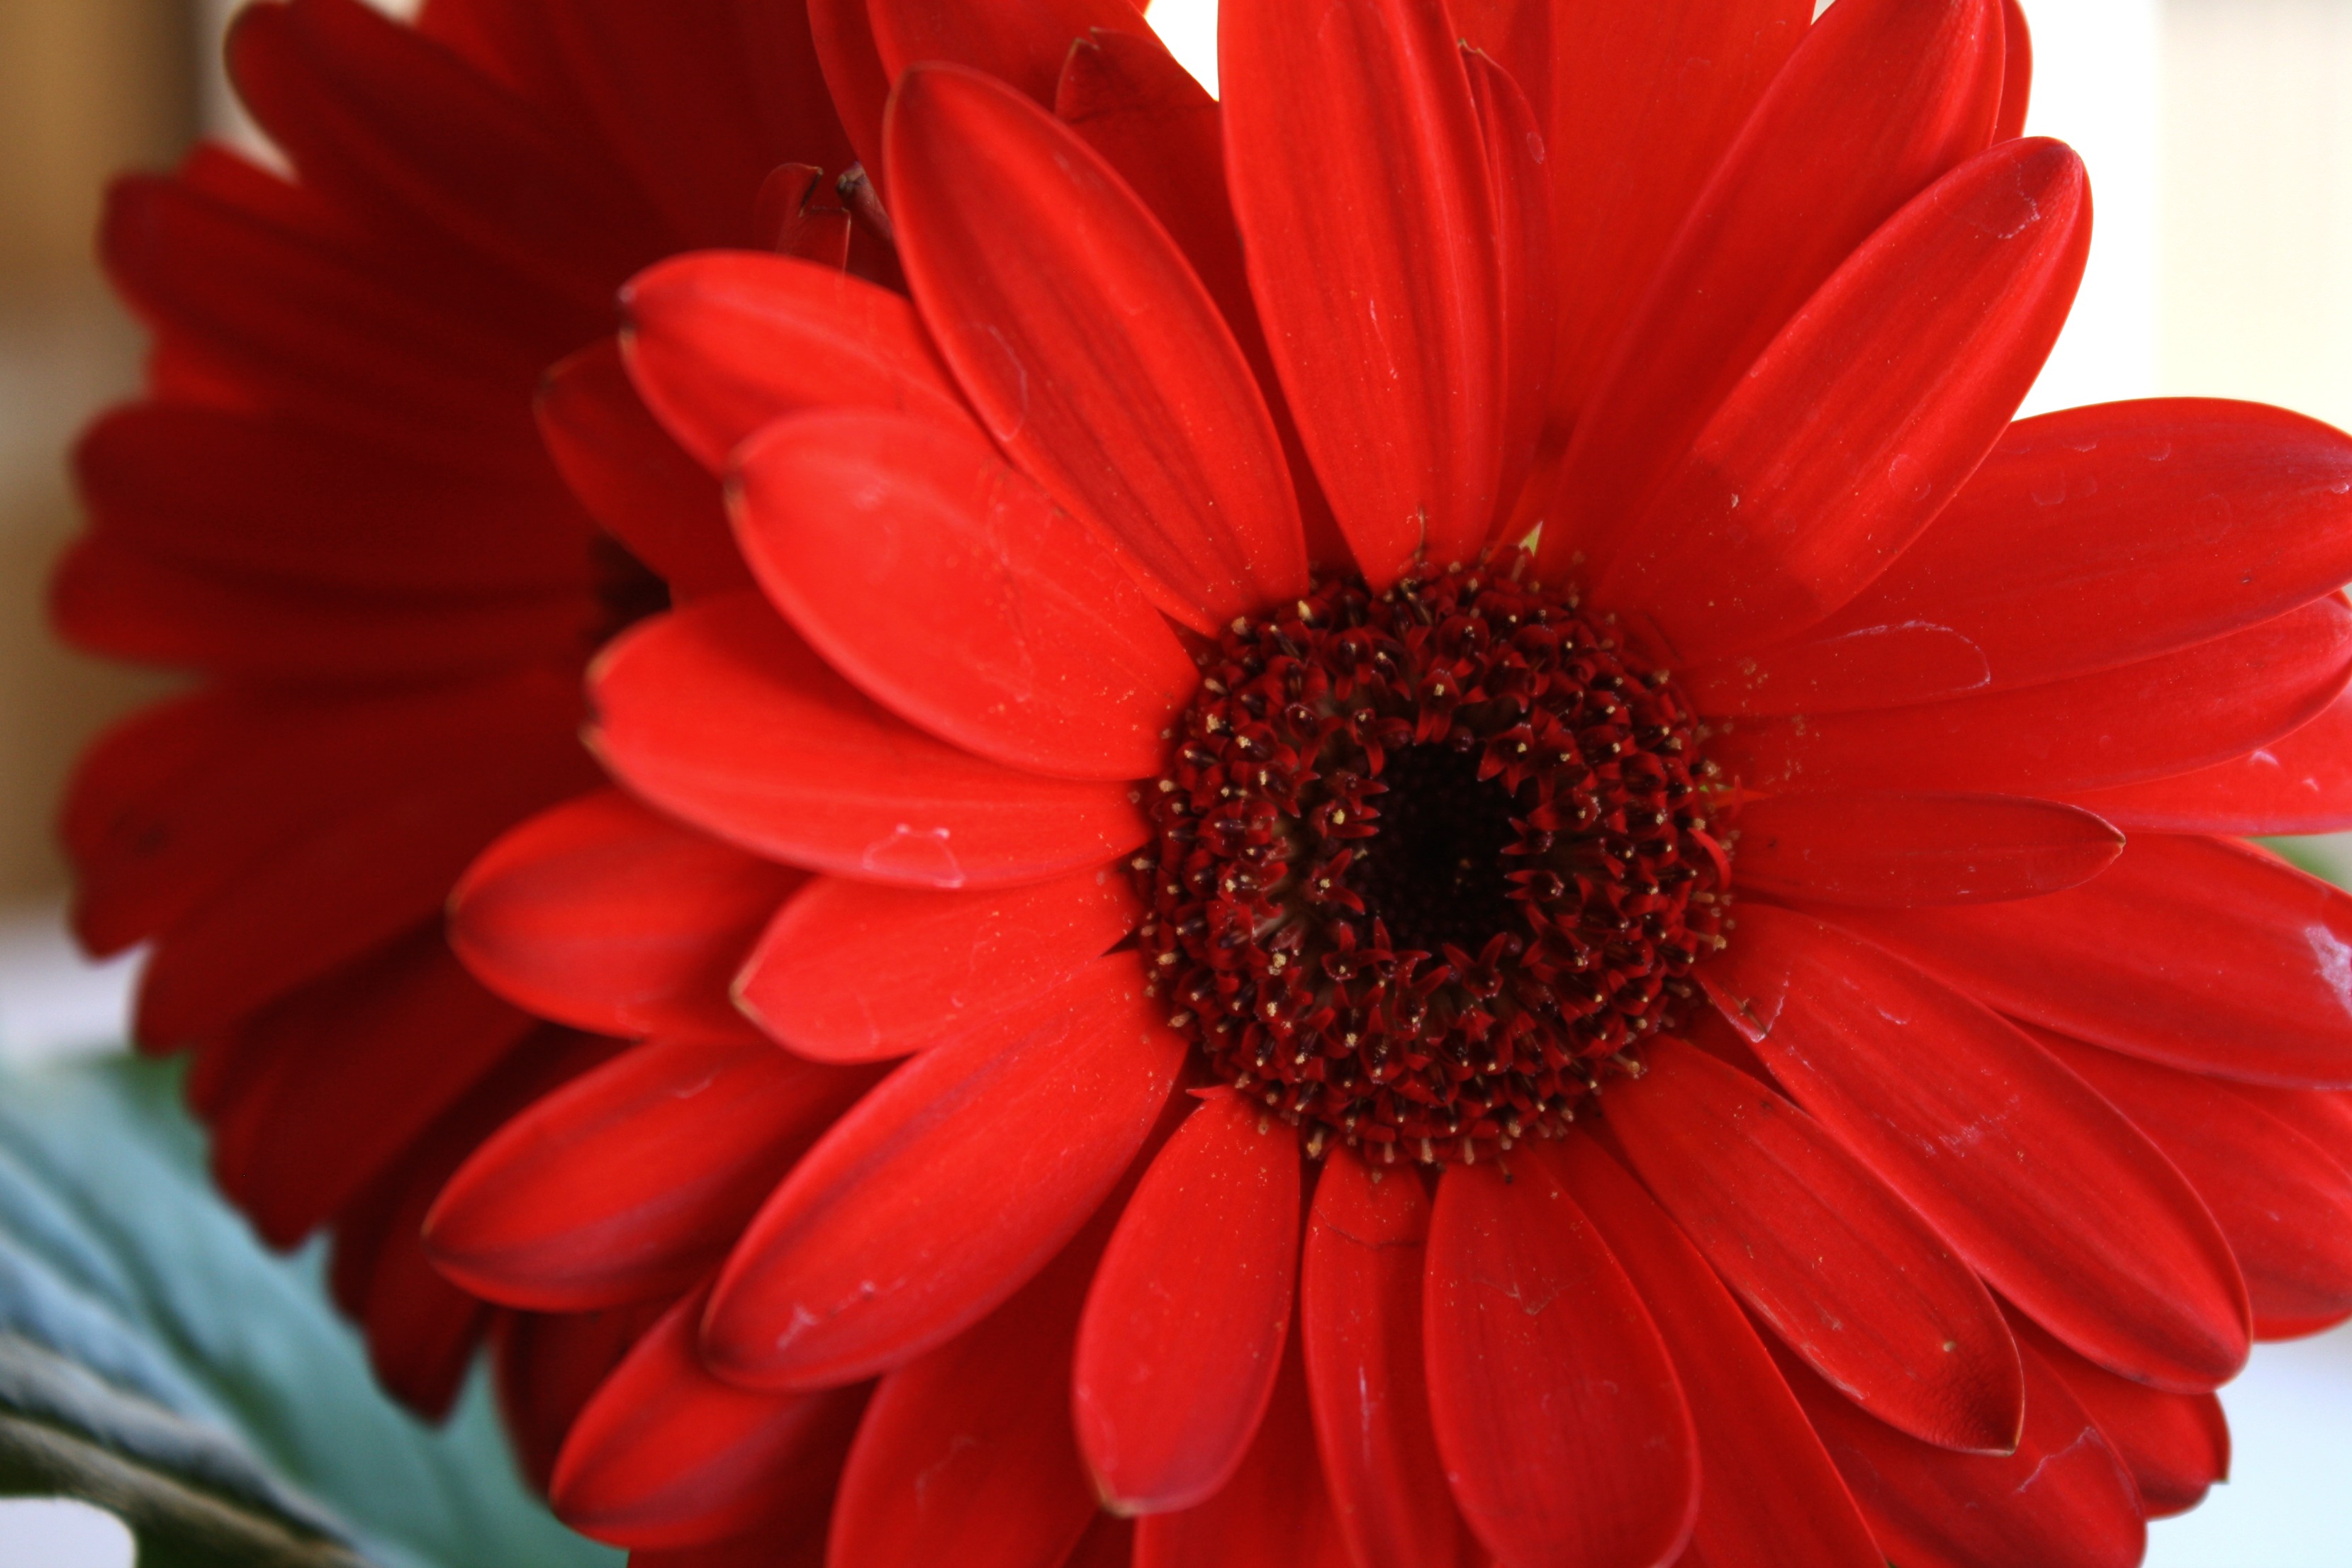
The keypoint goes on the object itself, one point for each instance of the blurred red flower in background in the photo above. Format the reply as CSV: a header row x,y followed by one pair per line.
x,y
335,507
1741,1037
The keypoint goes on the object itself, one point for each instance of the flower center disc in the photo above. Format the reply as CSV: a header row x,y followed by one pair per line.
x,y
1428,861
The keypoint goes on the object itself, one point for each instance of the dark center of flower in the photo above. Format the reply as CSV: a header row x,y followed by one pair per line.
x,y
1429,861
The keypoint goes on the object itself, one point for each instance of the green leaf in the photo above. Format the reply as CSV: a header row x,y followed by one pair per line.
x,y
155,1359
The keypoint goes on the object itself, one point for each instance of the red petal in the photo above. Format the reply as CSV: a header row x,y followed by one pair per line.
x,y
666,1455
1359,1318
850,972
1516,167
720,344
631,1182
2040,1184
1878,102
2176,1445
384,119
2169,714
1915,353
697,103
1163,133
1645,101
2297,783
1833,1261
1093,355
1274,1513
360,1062
1771,1495
2063,1499
720,714
2198,953
422,1331
1159,130
2320,1115
603,915
1358,176
894,1233
951,589
855,79
548,1367
240,492
111,598
2016,72
2210,516
636,481
177,802
1543,1365
331,891
2285,1205
293,321
1184,1328
1908,849
965,1455
1021,42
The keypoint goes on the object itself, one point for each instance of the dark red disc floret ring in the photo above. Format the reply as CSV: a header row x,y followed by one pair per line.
x,y
1430,863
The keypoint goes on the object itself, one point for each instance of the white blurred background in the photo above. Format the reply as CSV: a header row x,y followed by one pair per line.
x,y
2219,135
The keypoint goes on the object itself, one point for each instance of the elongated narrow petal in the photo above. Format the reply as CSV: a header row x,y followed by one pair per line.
x,y
307,1128
240,491
1183,1330
634,477
855,77
1116,384
2212,516
721,343
2176,1445
605,916
1021,42
2285,1204
632,1181
2063,1499
1275,1513
1361,1318
2297,783
2196,953
2016,72
2059,1203
386,119
1838,1266
965,1455
1644,103
333,891
1878,102
1517,165
1769,1494
949,587
891,1236
1163,133
2191,708
1372,257
667,1455
720,714
130,603
1908,849
851,971
1543,1363
1864,417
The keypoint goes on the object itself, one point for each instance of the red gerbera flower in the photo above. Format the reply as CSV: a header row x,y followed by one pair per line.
x,y
1658,1048
335,505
